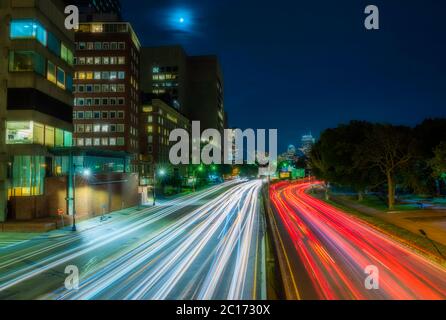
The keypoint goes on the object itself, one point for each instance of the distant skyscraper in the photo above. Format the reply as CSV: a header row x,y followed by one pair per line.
x,y
291,150
307,143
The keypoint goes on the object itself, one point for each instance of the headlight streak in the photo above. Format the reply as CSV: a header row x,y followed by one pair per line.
x,y
9,280
148,272
175,264
13,257
335,248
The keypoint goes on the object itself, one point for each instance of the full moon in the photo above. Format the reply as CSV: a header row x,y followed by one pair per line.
x,y
181,20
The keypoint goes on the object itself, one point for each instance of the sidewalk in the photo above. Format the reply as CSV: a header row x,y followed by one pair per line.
x,y
432,221
45,225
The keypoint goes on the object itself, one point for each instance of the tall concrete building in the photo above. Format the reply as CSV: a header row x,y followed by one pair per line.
x,y
106,88
193,84
206,92
36,101
164,73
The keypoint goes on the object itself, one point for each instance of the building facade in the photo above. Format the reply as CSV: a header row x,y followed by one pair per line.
x,y
106,88
158,120
36,73
193,84
206,93
164,73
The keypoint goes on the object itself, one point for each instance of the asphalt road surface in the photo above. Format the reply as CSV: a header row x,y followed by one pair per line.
x,y
208,245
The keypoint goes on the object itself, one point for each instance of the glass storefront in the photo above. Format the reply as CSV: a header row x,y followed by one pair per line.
x,y
28,176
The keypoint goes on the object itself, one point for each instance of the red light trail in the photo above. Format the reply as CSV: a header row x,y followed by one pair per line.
x,y
335,249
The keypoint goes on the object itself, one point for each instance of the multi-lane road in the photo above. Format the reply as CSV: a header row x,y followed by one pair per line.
x,y
327,254
209,245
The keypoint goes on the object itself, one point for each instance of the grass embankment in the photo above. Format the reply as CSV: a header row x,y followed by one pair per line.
x,y
416,242
378,204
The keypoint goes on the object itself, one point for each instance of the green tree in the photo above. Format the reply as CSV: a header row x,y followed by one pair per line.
x,y
389,149
429,134
438,162
335,157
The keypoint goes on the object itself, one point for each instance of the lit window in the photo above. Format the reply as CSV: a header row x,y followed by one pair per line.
x,y
97,28
121,75
60,78
64,52
49,136
28,29
19,132
51,72
23,61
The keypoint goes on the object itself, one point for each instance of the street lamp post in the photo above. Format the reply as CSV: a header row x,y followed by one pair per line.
x,y
200,168
154,186
162,174
85,173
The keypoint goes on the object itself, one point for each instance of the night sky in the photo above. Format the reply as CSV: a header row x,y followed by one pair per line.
x,y
302,66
